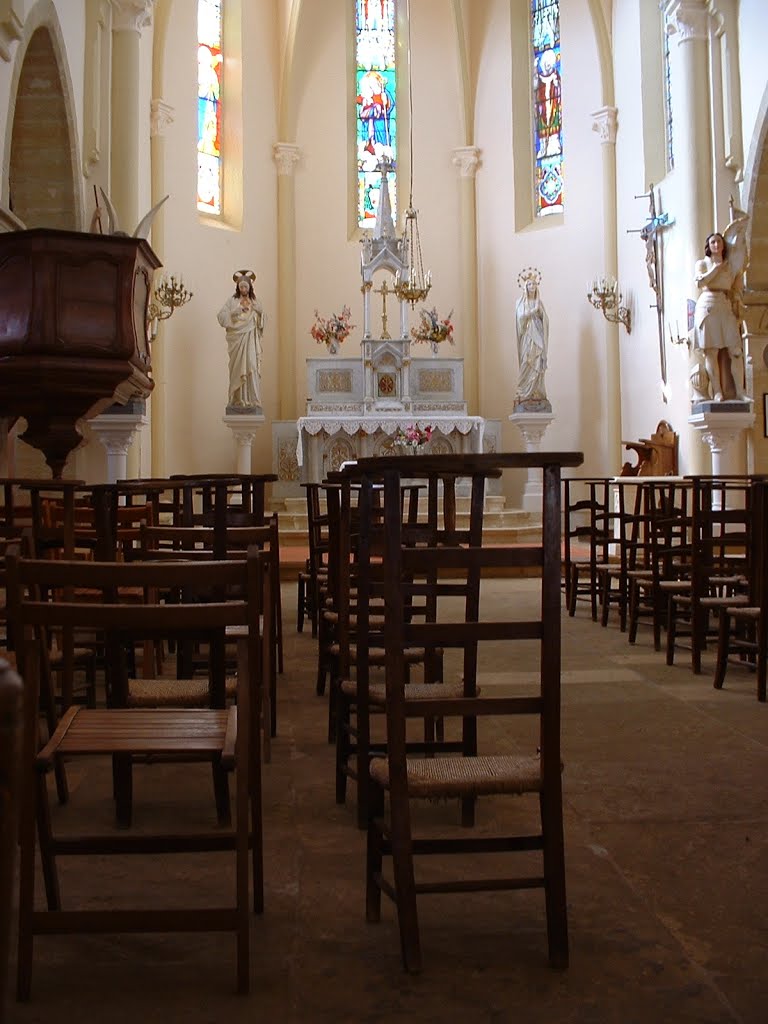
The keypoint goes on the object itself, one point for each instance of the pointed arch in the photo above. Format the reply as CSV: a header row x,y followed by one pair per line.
x,y
42,166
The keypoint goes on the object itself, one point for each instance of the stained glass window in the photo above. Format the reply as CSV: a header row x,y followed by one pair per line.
x,y
376,112
209,74
547,107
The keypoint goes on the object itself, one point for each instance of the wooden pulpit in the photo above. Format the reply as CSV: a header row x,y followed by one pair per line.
x,y
73,338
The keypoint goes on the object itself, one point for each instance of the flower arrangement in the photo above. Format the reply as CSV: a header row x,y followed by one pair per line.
x,y
332,330
432,328
413,436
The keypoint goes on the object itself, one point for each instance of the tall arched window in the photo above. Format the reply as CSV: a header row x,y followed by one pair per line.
x,y
547,107
209,75
376,111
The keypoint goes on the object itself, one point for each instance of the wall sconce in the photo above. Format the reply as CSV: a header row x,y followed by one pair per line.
x,y
604,294
167,296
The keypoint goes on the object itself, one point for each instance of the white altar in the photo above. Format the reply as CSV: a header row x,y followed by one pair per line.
x,y
356,405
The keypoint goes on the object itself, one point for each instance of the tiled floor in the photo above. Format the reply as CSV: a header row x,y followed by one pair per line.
x,y
666,808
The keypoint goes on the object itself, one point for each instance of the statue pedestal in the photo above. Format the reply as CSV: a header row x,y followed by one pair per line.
x,y
243,427
116,431
721,424
533,426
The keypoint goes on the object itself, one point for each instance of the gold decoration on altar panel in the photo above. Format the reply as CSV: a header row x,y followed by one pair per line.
x,y
334,381
431,381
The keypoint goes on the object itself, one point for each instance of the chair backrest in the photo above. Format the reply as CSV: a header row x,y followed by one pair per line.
x,y
99,606
411,569
10,764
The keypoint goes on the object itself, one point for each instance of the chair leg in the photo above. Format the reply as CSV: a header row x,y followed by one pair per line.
x,y
301,603
45,838
343,746
573,589
554,873
723,648
405,888
221,794
374,857
671,629
122,782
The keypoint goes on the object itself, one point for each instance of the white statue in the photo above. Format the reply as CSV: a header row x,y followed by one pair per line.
x,y
717,318
243,317
532,325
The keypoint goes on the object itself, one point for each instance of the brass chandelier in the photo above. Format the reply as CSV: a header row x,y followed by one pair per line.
x,y
413,284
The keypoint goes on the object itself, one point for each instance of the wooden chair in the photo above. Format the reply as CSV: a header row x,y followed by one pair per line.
x,y
665,527
743,628
721,550
10,775
226,737
535,770
315,573
358,601
587,522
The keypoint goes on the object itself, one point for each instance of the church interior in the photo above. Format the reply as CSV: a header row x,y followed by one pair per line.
x,y
490,220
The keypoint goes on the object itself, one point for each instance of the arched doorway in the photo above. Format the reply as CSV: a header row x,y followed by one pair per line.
x,y
41,185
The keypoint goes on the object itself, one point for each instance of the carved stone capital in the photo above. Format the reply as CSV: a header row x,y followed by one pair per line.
x,y
161,117
286,155
687,19
604,122
467,159
11,24
131,15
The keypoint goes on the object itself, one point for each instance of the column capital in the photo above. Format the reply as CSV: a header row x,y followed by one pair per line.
x,y
467,159
161,117
11,25
688,19
605,123
286,155
131,15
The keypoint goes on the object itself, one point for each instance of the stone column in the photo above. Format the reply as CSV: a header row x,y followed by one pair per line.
x,y
688,23
286,156
116,431
604,123
161,119
533,426
243,427
129,17
721,426
467,160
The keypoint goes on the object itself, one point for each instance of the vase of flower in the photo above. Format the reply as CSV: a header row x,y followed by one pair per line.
x,y
332,330
433,329
408,440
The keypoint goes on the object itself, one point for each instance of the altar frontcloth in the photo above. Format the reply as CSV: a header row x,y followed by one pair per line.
x,y
450,430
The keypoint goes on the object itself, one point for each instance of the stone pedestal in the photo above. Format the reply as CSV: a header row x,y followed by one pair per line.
x,y
721,426
116,431
533,426
243,427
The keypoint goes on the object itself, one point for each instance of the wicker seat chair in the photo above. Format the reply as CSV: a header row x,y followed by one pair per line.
x,y
228,738
533,768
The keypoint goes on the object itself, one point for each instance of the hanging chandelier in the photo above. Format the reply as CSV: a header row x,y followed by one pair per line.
x,y
413,284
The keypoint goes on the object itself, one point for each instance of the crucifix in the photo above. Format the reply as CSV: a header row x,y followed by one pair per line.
x,y
384,291
650,235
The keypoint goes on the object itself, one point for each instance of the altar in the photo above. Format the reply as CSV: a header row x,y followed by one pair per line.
x,y
345,419
356,406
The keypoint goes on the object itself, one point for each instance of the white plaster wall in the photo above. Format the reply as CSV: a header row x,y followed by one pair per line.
x,y
567,250
328,259
207,253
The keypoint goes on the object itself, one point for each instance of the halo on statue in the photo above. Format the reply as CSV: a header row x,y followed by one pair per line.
x,y
529,274
238,274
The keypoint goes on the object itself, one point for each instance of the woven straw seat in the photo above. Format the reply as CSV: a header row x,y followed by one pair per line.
x,y
446,777
377,655
174,693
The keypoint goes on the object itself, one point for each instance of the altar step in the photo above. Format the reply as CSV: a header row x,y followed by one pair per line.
x,y
502,525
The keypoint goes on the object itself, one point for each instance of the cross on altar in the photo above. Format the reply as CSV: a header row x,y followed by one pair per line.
x,y
650,235
384,291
